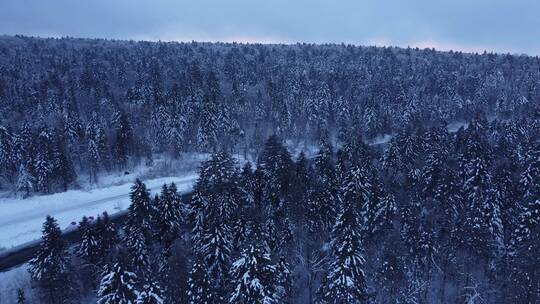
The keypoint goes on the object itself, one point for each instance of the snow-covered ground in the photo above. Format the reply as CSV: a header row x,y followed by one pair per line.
x,y
455,126
21,220
12,280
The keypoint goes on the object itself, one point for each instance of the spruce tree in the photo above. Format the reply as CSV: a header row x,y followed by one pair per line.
x,y
117,285
43,161
137,250
88,249
106,236
25,181
525,256
140,210
390,272
254,277
21,299
362,189
150,293
196,218
481,225
345,280
218,178
169,215
247,185
284,282
216,250
525,245
199,284
49,269
124,138
321,210
6,153
275,164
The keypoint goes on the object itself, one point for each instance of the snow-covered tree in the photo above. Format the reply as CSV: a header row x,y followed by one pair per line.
x,y
216,250
25,181
123,146
199,284
106,236
137,249
21,299
363,190
254,277
117,285
168,215
49,269
345,280
89,248
140,210
150,293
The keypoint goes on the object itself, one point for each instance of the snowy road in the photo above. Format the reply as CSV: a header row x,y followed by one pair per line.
x,y
21,220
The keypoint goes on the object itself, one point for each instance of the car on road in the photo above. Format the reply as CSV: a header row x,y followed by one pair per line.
x,y
75,222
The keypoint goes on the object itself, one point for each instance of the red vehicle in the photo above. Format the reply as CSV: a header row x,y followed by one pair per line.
x,y
75,223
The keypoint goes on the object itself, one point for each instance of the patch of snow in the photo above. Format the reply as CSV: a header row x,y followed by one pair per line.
x,y
455,126
381,139
14,279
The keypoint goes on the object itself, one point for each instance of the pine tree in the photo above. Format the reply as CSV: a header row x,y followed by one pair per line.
x,y
151,293
63,171
21,299
525,245
345,281
25,181
390,273
49,268
362,189
137,249
196,218
43,161
96,150
106,236
7,164
275,164
525,249
117,285
207,136
89,249
124,138
94,160
247,185
218,178
417,233
216,250
482,223
300,188
140,210
323,163
284,282
169,216
321,210
211,124
254,277
199,284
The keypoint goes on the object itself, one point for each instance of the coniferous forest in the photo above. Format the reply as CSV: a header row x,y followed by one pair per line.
x,y
446,209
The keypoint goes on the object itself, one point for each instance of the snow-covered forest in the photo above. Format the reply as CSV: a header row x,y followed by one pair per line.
x,y
438,214
77,106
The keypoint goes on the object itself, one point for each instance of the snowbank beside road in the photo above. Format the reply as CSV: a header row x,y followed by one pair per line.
x,y
21,220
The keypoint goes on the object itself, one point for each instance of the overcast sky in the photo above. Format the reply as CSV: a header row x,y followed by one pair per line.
x,y
469,25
